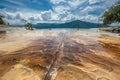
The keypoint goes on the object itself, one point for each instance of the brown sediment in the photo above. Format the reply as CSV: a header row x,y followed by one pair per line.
x,y
73,73
81,58
39,54
111,44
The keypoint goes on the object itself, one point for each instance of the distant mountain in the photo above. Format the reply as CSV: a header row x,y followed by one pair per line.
x,y
72,24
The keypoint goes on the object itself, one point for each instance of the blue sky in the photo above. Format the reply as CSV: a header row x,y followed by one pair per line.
x,y
38,11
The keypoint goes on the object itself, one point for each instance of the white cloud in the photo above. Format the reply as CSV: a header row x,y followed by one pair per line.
x,y
87,9
76,3
69,16
57,1
63,10
46,15
95,1
55,17
88,18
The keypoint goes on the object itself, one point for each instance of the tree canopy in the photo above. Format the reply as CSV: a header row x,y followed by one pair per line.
x,y
1,19
27,24
112,15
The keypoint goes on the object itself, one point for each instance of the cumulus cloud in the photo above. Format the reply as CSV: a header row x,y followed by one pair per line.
x,y
61,10
76,3
95,1
57,1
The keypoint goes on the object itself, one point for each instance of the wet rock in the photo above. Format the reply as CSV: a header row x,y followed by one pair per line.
x,y
114,30
2,32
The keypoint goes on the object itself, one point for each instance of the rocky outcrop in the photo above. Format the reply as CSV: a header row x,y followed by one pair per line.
x,y
2,32
114,30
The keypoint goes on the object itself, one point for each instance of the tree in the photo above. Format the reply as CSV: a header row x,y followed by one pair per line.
x,y
1,19
27,24
112,15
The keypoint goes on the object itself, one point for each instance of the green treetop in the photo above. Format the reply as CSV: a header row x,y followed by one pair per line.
x,y
1,19
112,15
28,25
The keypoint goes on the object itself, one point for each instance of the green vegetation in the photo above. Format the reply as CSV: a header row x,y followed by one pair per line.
x,y
28,25
1,19
112,15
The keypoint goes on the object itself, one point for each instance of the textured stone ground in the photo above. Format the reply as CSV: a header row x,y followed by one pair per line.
x,y
27,55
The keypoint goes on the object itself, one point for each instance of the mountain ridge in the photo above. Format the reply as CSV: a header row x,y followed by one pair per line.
x,y
71,24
